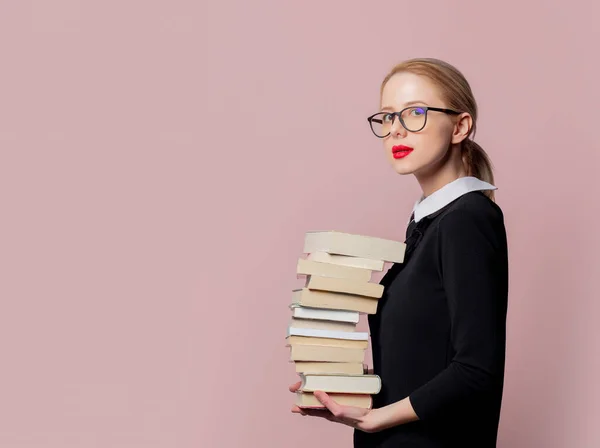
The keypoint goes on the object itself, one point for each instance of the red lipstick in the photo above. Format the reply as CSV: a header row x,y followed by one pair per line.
x,y
400,151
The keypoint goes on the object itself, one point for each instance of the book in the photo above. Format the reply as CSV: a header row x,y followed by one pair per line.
x,y
326,353
302,312
311,267
344,285
329,334
345,260
351,384
330,342
334,300
308,400
356,368
322,324
362,246
325,346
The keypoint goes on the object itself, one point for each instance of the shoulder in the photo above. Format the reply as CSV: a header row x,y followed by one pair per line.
x,y
473,205
471,214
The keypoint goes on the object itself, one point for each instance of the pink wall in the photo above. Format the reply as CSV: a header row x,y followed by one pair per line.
x,y
160,162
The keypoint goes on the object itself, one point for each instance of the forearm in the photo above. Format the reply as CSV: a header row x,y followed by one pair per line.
x,y
395,414
398,413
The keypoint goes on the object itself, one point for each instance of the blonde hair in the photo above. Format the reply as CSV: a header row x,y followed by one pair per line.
x,y
457,94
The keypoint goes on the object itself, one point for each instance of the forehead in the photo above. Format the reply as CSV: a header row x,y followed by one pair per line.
x,y
405,87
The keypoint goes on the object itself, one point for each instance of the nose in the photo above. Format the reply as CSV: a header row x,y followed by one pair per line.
x,y
397,129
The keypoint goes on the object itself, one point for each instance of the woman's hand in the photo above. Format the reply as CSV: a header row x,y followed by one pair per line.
x,y
366,420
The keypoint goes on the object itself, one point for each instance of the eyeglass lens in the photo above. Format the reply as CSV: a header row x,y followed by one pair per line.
x,y
413,118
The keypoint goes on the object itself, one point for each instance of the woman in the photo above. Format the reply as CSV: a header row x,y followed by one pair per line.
x,y
439,334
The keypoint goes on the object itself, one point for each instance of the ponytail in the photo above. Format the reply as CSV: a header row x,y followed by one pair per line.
x,y
478,164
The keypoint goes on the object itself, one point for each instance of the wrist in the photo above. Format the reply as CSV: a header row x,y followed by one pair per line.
x,y
373,421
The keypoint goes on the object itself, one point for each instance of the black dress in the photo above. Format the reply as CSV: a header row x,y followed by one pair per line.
x,y
439,334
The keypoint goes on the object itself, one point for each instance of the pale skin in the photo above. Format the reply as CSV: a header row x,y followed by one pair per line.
x,y
435,162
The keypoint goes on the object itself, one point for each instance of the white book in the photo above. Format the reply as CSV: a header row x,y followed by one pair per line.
x,y
346,260
313,332
356,384
322,324
303,312
341,243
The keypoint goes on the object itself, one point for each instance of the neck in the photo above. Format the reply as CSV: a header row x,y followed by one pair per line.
x,y
448,170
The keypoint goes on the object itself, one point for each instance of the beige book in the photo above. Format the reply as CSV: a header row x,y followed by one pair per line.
x,y
351,384
310,267
308,340
362,246
345,260
344,285
308,400
326,353
322,324
334,300
355,368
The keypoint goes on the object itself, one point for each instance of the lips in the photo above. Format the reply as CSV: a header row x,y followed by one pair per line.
x,y
400,151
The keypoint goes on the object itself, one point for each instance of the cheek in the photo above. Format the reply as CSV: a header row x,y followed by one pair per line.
x,y
434,144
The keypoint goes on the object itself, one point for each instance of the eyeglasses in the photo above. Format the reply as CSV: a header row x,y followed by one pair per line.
x,y
413,119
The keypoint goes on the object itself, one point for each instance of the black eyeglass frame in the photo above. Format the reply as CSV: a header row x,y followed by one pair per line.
x,y
399,115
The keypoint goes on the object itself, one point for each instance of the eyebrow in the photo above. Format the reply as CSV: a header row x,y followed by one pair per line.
x,y
410,103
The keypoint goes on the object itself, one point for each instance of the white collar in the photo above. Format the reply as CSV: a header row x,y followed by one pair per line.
x,y
448,193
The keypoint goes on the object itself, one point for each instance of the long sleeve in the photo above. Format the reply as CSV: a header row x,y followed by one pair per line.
x,y
474,270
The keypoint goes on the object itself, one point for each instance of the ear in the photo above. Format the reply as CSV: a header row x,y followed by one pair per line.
x,y
462,127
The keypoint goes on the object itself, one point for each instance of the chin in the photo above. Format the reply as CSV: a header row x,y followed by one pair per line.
x,y
402,167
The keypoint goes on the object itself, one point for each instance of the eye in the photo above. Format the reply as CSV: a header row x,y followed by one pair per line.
x,y
417,111
387,118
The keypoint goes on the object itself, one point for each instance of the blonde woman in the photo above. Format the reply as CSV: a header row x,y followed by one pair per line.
x,y
439,334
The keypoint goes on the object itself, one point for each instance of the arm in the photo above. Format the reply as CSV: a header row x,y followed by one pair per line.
x,y
474,271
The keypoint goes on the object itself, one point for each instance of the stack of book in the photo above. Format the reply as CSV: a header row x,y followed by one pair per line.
x,y
325,347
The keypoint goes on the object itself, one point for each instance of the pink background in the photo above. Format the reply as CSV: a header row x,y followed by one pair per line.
x,y
161,161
